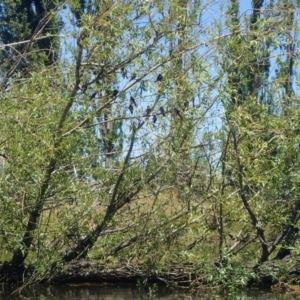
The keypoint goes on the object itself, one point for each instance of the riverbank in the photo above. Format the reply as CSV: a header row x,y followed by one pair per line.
x,y
276,273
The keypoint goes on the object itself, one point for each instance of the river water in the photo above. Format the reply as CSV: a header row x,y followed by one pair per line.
x,y
94,292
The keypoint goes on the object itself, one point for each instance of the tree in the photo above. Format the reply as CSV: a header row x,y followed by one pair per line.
x,y
255,118
22,21
154,137
60,159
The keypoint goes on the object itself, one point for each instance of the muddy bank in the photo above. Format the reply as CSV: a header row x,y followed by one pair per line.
x,y
184,275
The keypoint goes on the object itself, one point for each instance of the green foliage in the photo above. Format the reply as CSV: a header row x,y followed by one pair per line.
x,y
202,165
232,277
21,21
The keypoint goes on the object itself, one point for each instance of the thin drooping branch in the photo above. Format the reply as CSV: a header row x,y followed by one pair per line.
x,y
223,184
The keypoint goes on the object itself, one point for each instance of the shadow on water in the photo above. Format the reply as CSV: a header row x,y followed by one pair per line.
x,y
97,292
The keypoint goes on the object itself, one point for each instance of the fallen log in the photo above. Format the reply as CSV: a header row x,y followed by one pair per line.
x,y
93,271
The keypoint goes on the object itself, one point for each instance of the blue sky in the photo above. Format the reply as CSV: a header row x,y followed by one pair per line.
x,y
212,14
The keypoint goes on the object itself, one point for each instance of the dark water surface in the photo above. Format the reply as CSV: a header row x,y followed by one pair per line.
x,y
94,292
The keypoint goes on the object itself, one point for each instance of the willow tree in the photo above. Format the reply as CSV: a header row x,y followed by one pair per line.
x,y
94,146
260,160
90,130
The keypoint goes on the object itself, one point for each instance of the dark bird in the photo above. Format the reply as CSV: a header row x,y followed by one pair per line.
x,y
177,111
159,78
133,101
130,108
148,111
133,76
154,119
124,72
93,95
115,93
162,111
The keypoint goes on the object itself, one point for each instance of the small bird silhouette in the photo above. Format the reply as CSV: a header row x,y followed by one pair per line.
x,y
124,72
148,111
133,76
115,93
132,100
162,111
159,78
154,119
130,108
93,95
177,111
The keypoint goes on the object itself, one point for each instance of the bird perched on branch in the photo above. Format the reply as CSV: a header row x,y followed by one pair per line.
x,y
159,78
124,72
177,111
133,76
93,95
130,108
115,93
132,100
162,111
154,119
148,111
